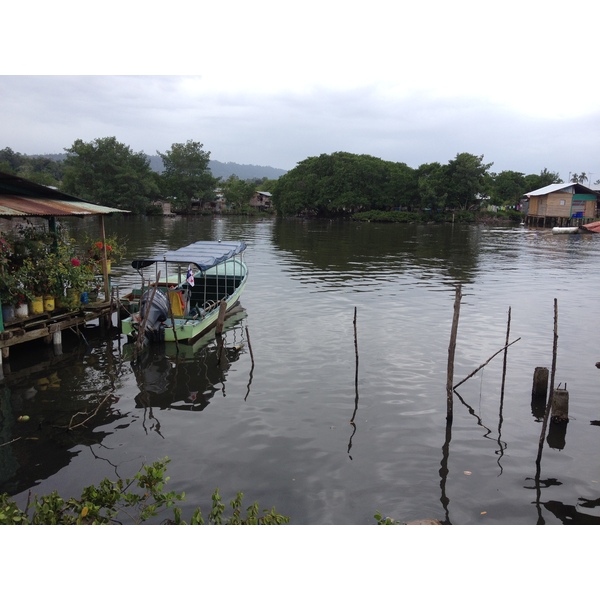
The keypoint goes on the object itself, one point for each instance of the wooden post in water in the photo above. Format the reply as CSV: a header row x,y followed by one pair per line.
x,y
560,405
539,390
451,352
552,375
221,317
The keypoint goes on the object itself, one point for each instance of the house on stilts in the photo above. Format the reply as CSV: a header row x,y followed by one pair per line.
x,y
561,205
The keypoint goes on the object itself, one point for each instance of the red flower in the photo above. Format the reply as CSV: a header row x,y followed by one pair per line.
x,y
98,245
75,262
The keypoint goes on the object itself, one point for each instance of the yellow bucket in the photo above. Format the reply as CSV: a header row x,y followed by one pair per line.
x,y
36,306
49,303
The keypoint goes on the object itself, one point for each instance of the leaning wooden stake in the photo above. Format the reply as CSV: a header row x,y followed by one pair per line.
x,y
552,373
485,363
451,352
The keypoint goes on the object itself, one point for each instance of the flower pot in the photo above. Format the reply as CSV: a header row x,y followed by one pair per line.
x,y
49,303
36,306
8,313
22,311
108,266
70,300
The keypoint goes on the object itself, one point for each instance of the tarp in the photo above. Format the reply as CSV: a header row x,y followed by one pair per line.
x,y
202,254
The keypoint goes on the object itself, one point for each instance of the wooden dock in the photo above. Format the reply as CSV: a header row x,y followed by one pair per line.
x,y
49,326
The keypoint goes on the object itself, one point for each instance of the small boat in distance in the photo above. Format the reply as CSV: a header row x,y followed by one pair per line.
x,y
568,230
190,288
587,228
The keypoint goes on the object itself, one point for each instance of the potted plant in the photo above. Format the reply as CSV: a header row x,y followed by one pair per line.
x,y
68,275
112,247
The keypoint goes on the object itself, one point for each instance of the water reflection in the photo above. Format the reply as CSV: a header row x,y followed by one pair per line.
x,y
182,376
316,253
52,405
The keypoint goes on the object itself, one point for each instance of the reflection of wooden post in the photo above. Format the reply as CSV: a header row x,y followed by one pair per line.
x,y
221,317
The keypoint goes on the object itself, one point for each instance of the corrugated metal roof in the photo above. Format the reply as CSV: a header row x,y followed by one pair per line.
x,y
22,206
556,187
22,198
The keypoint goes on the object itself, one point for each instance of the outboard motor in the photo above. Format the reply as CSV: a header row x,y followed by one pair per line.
x,y
156,305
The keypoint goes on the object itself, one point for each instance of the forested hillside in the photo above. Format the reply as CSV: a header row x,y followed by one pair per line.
x,y
218,169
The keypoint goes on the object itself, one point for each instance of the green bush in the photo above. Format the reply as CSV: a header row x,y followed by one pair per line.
x,y
129,501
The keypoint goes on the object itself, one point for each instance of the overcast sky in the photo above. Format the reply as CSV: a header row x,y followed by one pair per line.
x,y
272,82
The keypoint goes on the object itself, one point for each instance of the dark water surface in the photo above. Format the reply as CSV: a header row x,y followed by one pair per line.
x,y
288,419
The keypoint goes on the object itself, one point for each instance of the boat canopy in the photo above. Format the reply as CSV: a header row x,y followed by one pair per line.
x,y
204,255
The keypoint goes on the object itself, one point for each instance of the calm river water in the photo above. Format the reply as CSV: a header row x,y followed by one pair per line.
x,y
293,419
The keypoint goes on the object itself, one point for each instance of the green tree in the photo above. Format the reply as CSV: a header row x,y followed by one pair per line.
x,y
466,181
432,186
402,189
338,184
508,187
535,182
238,192
186,175
108,172
10,161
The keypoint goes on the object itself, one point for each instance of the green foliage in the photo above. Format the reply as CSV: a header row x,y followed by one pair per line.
x,y
507,187
238,193
186,175
129,501
340,184
385,216
535,182
466,178
43,263
381,520
108,172
38,169
343,184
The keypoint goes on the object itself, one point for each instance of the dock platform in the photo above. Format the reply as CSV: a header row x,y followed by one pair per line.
x,y
50,325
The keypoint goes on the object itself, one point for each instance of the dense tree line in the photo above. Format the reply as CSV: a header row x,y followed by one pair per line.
x,y
343,184
110,173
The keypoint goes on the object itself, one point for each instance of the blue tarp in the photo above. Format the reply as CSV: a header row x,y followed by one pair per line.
x,y
202,254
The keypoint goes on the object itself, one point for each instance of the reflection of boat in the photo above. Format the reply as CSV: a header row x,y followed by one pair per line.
x,y
189,378
180,306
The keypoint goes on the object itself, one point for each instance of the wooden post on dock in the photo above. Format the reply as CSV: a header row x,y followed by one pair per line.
x,y
221,317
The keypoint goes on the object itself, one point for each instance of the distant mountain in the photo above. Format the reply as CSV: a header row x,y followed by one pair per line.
x,y
218,169
225,170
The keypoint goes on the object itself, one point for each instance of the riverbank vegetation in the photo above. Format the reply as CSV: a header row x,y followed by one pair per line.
x,y
368,188
140,499
338,185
